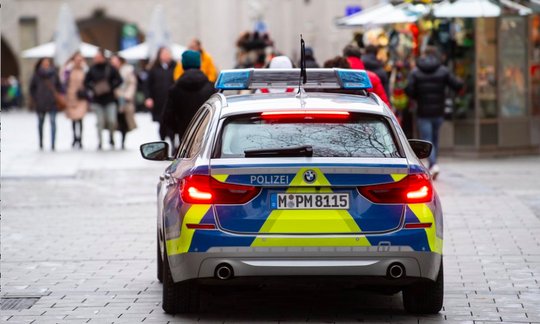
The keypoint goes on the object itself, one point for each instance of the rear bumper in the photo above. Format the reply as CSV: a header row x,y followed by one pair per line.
x,y
305,261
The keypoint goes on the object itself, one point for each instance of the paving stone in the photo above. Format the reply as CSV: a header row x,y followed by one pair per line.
x,y
95,260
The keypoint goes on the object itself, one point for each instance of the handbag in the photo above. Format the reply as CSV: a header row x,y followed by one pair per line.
x,y
103,86
81,94
59,98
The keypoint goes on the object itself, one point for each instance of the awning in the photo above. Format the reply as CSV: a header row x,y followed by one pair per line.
x,y
385,14
49,49
141,52
365,16
476,8
403,13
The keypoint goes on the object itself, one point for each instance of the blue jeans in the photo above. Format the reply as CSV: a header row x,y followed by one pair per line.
x,y
41,121
428,127
106,118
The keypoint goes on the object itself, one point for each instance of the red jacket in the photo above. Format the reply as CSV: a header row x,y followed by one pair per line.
x,y
378,89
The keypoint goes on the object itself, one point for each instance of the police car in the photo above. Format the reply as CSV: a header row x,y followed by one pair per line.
x,y
309,185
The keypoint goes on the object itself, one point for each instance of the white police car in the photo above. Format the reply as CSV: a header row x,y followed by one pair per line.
x,y
305,185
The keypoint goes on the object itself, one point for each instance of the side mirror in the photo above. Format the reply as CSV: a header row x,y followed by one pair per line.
x,y
155,151
422,149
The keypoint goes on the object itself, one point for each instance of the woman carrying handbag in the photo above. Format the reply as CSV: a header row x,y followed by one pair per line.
x,y
76,98
46,94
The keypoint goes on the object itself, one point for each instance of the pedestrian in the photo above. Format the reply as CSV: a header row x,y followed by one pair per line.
x,y
207,63
45,86
125,96
345,63
76,97
310,60
189,92
372,63
427,84
160,79
279,62
353,56
400,100
101,81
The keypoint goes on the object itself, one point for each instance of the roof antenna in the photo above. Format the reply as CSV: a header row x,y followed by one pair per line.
x,y
303,73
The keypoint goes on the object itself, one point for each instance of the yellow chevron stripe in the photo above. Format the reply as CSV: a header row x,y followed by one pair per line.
x,y
220,177
398,176
181,244
310,221
425,215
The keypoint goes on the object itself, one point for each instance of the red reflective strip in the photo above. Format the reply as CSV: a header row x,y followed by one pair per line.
x,y
417,225
201,226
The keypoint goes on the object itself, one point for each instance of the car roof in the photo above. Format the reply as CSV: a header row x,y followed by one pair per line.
x,y
253,103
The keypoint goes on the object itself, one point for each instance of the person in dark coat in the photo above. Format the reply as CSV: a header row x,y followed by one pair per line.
x,y
311,62
101,81
160,79
343,63
188,94
371,63
45,82
427,85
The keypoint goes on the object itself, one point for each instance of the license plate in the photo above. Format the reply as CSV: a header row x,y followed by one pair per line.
x,y
310,201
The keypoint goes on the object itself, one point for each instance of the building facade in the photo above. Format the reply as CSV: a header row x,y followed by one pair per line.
x,y
218,23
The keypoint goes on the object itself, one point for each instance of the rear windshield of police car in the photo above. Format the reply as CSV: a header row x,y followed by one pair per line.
x,y
359,135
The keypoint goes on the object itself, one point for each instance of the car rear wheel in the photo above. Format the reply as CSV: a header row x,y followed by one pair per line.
x,y
159,261
425,297
180,297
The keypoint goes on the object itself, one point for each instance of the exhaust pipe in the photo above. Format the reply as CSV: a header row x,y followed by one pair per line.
x,y
396,271
224,271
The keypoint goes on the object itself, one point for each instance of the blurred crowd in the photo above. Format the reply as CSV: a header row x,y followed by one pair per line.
x,y
114,90
172,91
409,76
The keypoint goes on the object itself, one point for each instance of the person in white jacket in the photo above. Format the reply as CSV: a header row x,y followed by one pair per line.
x,y
279,62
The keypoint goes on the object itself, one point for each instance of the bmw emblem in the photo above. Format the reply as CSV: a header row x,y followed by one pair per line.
x,y
310,176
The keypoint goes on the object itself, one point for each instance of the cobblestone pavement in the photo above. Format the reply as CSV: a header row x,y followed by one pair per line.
x,y
78,237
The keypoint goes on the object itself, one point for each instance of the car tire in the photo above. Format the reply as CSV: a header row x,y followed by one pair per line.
x,y
425,297
178,297
159,261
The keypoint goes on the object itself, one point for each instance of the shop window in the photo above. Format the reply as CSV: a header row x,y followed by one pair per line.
x,y
513,38
463,66
486,63
28,36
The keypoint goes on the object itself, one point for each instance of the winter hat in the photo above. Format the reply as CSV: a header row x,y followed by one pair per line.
x,y
191,60
281,62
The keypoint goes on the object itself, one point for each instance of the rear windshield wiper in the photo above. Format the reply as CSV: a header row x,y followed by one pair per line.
x,y
296,151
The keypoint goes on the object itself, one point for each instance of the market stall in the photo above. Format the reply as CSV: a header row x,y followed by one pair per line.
x,y
494,47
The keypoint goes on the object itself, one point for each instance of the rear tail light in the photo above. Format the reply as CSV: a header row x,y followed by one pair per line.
x,y
305,114
414,188
203,189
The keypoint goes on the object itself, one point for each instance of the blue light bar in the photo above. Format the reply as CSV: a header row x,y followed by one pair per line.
x,y
354,79
243,79
234,79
